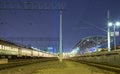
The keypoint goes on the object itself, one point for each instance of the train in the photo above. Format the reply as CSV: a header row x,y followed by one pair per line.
x,y
12,50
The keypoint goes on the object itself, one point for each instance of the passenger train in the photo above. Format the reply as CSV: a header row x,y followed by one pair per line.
x,y
13,50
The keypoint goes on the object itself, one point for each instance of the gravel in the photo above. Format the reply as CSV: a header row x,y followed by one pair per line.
x,y
55,67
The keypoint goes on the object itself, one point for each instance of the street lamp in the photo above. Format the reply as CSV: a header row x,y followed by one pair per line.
x,y
114,27
117,23
109,24
108,33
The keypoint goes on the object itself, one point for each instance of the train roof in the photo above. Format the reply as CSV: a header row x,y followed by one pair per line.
x,y
16,44
12,43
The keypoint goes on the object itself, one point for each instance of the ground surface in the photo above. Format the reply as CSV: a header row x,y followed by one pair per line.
x,y
55,67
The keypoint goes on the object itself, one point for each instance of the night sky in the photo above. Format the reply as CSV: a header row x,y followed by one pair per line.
x,y
81,18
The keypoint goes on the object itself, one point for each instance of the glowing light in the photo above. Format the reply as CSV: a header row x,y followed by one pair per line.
x,y
117,23
35,48
75,51
50,48
110,24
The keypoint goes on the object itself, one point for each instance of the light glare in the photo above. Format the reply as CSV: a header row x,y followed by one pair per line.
x,y
117,23
109,24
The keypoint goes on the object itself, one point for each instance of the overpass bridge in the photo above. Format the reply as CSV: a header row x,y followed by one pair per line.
x,y
91,44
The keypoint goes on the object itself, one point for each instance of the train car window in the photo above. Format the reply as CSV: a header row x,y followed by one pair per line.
x,y
0,46
3,47
7,48
15,49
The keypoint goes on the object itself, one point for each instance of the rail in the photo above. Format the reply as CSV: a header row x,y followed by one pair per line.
x,y
108,67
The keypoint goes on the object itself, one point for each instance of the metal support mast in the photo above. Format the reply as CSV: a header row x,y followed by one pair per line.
x,y
60,46
108,34
114,38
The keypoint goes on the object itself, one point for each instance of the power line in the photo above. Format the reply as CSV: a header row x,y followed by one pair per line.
x,y
88,23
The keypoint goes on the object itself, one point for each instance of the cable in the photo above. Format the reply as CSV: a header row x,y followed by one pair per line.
x,y
88,23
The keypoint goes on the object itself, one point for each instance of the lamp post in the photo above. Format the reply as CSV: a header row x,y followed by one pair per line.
x,y
116,24
114,37
109,24
114,28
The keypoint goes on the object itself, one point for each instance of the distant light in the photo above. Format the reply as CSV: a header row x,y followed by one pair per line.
x,y
34,48
49,48
87,39
75,51
110,24
117,23
77,48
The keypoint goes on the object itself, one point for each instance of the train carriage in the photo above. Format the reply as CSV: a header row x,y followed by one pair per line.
x,y
9,49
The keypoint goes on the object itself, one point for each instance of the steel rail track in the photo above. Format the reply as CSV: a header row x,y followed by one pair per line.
x,y
22,63
112,68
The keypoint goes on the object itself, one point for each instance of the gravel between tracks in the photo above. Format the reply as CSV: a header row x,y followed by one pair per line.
x,y
55,67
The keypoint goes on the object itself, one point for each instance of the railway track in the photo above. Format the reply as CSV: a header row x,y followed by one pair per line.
x,y
112,68
17,63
